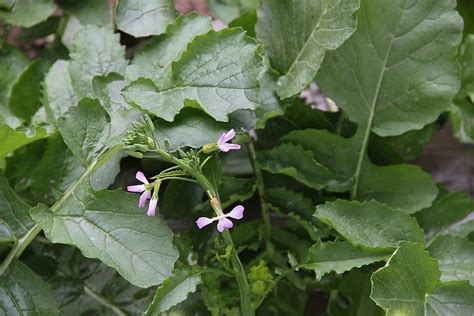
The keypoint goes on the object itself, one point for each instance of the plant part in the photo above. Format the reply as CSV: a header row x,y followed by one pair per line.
x,y
307,115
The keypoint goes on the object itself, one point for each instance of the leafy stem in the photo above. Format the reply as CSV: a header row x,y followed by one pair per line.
x,y
241,278
261,193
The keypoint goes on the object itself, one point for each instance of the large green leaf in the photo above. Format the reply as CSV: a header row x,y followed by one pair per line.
x,y
449,214
369,224
15,220
158,54
96,51
402,285
408,285
27,13
297,34
109,226
12,63
395,38
340,257
174,290
405,187
144,17
455,256
22,292
198,74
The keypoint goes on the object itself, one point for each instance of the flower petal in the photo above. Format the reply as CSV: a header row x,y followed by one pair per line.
x,y
143,198
204,221
225,137
152,207
237,212
136,188
226,147
140,176
224,223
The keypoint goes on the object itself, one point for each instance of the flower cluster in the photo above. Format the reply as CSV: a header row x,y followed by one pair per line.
x,y
150,190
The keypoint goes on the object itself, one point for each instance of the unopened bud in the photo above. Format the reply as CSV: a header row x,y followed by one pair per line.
x,y
209,148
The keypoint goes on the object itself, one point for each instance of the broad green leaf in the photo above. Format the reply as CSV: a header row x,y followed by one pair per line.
x,y
247,21
369,224
27,13
84,129
25,92
15,220
40,30
356,287
393,39
455,256
233,190
401,287
405,187
174,290
159,53
58,93
462,111
22,292
109,226
12,139
325,257
297,34
144,17
450,298
87,11
198,75
449,214
294,161
96,51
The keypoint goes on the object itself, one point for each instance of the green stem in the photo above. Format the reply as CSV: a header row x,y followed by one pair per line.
x,y
102,300
263,204
19,247
240,275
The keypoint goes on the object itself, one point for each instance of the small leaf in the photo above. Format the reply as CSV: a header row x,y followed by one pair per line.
x,y
174,290
455,256
369,224
340,257
144,17
27,13
308,29
198,75
402,285
22,292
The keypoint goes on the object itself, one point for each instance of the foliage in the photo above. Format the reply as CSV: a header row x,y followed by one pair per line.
x,y
258,201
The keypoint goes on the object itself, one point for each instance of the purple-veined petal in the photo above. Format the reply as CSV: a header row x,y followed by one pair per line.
x,y
136,188
152,207
224,223
237,212
140,176
226,147
143,198
225,137
204,221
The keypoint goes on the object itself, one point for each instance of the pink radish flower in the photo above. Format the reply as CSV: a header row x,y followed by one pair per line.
x,y
224,139
144,189
223,220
